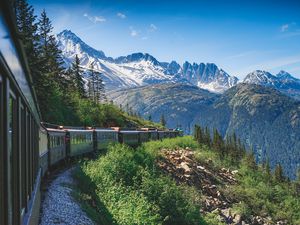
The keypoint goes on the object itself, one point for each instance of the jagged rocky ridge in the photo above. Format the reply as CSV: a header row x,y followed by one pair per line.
x,y
142,69
262,117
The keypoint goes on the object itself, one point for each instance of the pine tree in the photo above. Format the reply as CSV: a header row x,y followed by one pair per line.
x,y
207,138
250,160
278,173
100,89
47,84
297,183
198,134
163,120
268,168
218,143
96,86
78,77
27,28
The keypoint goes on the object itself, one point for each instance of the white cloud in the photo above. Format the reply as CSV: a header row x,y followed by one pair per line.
x,y
284,27
121,15
152,27
94,19
288,26
133,32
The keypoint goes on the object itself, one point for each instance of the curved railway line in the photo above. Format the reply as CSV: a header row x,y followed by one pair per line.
x,y
29,148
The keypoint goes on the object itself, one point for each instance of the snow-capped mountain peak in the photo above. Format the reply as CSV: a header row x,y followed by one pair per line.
x,y
260,77
142,68
71,44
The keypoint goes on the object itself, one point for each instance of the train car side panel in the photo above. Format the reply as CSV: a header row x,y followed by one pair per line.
x,y
81,141
104,137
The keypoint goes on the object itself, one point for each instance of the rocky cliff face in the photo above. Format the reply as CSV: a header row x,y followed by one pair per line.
x,y
262,117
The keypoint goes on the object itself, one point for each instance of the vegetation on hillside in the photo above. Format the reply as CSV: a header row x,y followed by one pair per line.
x,y
126,186
259,191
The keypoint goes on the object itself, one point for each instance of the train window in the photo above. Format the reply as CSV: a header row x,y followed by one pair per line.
x,y
28,183
12,117
23,158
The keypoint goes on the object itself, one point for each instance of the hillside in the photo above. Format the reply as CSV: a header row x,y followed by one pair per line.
x,y
179,181
263,118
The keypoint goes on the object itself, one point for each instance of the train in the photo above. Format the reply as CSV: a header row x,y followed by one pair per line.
x,y
30,148
58,143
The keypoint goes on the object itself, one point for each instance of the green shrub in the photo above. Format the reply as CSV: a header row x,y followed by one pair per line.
x,y
134,191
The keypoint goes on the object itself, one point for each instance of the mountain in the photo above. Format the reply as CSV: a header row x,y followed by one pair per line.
x,y
208,76
282,81
178,102
262,117
140,69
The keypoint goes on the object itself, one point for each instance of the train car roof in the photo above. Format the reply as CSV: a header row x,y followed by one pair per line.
x,y
129,131
76,130
106,130
55,130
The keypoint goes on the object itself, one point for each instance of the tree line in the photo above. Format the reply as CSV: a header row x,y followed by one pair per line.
x,y
61,92
232,149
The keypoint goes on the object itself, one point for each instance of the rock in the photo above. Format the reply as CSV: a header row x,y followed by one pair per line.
x,y
200,168
234,172
185,166
237,218
226,212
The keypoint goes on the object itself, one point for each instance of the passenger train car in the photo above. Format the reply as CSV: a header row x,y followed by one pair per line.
x,y
29,149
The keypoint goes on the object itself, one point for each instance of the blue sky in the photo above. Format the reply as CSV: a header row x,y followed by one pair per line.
x,y
239,36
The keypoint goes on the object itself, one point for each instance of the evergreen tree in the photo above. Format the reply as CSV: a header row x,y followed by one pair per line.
x,y
163,120
100,89
278,173
297,183
250,160
268,169
207,138
48,83
96,87
198,134
77,76
27,28
218,143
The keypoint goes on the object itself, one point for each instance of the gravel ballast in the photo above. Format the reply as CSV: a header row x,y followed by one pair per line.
x,y
59,207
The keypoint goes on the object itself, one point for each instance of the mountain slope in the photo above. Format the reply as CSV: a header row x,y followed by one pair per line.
x,y
262,117
139,69
178,102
